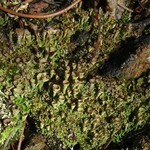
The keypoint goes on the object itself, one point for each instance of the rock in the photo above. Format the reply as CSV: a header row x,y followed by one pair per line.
x,y
37,142
139,63
129,62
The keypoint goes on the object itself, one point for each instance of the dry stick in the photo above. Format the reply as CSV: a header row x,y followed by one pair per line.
x,y
21,136
12,146
128,9
41,15
106,146
142,23
99,35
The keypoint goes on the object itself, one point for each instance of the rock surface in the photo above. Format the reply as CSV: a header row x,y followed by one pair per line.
x,y
36,142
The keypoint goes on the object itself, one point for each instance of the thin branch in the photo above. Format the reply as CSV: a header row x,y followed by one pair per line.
x,y
106,146
41,15
96,47
8,139
21,136
128,9
12,146
142,23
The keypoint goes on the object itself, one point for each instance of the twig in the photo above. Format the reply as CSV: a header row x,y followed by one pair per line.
x,y
96,49
21,136
8,139
106,146
12,146
128,9
41,15
142,23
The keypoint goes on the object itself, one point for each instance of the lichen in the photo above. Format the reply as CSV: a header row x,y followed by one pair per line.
x,y
51,75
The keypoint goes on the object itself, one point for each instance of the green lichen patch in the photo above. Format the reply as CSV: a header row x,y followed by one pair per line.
x,y
50,74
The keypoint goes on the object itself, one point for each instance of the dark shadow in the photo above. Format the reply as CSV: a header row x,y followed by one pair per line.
x,y
132,139
30,130
118,57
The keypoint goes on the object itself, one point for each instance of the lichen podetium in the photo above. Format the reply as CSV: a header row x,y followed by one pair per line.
x,y
51,74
